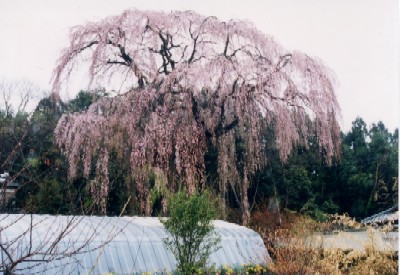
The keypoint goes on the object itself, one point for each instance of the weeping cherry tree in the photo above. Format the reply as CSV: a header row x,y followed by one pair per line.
x,y
193,81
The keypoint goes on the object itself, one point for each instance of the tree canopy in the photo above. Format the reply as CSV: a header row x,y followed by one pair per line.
x,y
195,83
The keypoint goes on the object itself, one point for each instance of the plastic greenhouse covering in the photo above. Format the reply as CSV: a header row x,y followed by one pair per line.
x,y
102,245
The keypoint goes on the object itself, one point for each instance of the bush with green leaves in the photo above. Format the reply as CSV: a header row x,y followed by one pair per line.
x,y
191,236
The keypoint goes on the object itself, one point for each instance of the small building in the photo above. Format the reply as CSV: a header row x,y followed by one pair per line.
x,y
117,245
8,189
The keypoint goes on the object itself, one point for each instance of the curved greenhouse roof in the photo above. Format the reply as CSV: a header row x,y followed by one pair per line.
x,y
389,215
95,245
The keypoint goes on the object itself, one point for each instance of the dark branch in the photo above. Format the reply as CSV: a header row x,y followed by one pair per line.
x,y
191,59
77,51
283,61
225,129
226,45
124,55
117,62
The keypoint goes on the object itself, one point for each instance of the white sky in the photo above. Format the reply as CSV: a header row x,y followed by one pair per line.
x,y
357,39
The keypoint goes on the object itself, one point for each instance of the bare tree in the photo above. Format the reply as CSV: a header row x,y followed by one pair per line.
x,y
197,81
31,242
16,95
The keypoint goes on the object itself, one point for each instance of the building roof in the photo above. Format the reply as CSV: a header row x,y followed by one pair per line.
x,y
10,182
4,175
123,245
389,215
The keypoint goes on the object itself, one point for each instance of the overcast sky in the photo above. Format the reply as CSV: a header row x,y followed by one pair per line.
x,y
357,39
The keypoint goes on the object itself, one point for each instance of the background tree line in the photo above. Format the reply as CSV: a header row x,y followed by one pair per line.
x,y
362,182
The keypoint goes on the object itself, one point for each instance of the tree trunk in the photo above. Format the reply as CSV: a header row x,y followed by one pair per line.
x,y
222,188
279,222
147,209
245,207
371,197
223,207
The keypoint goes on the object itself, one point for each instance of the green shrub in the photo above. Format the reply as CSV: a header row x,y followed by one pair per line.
x,y
191,236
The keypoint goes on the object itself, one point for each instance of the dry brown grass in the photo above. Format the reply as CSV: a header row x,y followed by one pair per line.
x,y
296,249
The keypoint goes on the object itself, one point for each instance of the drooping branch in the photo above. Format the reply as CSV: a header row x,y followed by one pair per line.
x,y
199,79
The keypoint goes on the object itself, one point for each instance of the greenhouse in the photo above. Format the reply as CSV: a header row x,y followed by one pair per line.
x,y
45,244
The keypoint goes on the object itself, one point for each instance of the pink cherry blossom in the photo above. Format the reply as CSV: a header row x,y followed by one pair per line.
x,y
195,80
